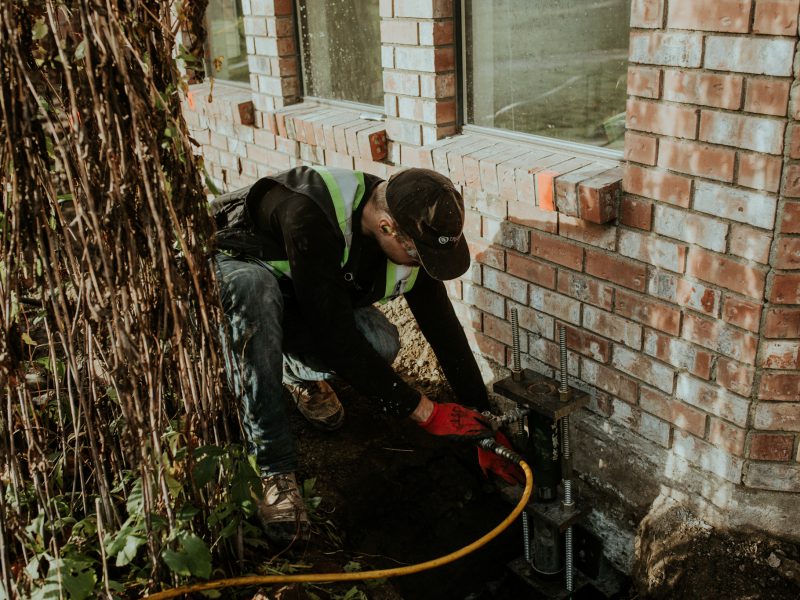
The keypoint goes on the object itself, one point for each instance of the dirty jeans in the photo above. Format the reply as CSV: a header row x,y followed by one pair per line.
x,y
256,362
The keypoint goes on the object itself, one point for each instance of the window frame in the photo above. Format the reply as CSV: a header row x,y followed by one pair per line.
x,y
208,60
587,150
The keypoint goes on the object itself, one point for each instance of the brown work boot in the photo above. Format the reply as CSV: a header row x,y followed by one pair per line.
x,y
282,511
318,403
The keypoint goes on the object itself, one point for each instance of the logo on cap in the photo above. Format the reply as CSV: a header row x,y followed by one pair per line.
x,y
444,239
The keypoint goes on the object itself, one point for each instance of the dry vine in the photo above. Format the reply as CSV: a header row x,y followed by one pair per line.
x,y
109,363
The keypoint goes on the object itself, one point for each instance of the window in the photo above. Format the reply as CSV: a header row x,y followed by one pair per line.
x,y
555,68
226,49
341,42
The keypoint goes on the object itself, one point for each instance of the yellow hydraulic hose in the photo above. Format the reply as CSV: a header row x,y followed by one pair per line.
x,y
358,576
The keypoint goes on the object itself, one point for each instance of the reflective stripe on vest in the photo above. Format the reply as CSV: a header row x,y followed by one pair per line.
x,y
346,189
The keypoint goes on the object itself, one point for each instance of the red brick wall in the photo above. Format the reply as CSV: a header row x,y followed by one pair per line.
x,y
681,296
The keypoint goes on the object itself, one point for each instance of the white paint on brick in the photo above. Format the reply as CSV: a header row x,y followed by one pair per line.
x,y
644,424
707,456
689,227
613,327
555,304
655,251
643,368
762,56
675,49
266,46
387,57
743,131
682,354
770,476
415,59
712,399
753,208
778,416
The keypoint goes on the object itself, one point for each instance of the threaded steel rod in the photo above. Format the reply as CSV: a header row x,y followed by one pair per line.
x,y
566,453
562,348
516,369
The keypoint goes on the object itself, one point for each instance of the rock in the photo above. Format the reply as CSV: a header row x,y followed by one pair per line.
x,y
773,561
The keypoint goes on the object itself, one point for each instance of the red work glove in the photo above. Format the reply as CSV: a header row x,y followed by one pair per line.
x,y
505,469
454,421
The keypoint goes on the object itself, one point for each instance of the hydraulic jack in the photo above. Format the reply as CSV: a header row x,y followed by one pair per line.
x,y
546,404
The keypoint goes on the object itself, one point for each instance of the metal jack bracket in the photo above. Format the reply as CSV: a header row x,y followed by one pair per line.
x,y
546,400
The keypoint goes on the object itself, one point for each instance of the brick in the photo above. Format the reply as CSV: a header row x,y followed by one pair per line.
x,y
684,292
590,345
601,236
759,171
791,185
780,354
641,367
534,321
760,56
423,9
652,250
640,148
586,289
675,412
790,221
736,377
767,96
742,313
598,196
636,213
566,187
505,285
404,131
785,289
531,216
707,89
666,48
644,424
430,60
644,81
717,336
647,13
725,272
500,330
778,416
779,387
750,243
547,352
488,169
612,327
731,16
776,17
678,353
738,205
488,347
556,305
643,310
514,237
691,227
765,446
609,380
778,477
437,33
401,83
554,249
760,134
788,253
437,85
712,399
486,254
697,159
728,437
485,300
782,323
531,270
623,272
399,32
675,120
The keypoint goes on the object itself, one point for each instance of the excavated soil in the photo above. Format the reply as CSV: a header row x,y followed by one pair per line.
x,y
393,495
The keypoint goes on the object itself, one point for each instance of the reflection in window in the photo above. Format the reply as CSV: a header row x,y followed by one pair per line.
x,y
556,68
226,49
342,50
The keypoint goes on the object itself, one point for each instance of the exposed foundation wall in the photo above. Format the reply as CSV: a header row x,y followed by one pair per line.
x,y
679,292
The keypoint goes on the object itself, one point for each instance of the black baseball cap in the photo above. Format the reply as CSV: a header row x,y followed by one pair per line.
x,y
429,210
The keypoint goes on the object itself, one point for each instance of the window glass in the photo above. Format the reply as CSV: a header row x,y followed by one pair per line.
x,y
227,52
342,50
556,68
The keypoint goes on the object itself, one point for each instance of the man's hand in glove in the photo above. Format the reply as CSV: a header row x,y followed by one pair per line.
x,y
506,470
456,422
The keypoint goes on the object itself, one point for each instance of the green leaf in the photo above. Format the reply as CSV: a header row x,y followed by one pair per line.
x,y
193,558
28,339
135,501
40,29
204,470
128,552
352,566
80,51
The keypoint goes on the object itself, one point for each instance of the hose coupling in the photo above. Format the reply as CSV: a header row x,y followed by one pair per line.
x,y
497,421
500,450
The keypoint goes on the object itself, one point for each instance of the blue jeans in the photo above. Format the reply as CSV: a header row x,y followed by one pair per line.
x,y
260,321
